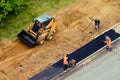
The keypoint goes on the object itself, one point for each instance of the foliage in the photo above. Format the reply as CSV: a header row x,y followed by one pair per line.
x,y
12,6
13,24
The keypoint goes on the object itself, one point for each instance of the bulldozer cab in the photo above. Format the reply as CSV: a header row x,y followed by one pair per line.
x,y
41,22
44,20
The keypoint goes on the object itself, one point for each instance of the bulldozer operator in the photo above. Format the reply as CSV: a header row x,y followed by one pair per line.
x,y
36,28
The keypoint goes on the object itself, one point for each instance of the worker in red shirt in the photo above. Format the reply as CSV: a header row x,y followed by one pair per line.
x,y
65,61
108,43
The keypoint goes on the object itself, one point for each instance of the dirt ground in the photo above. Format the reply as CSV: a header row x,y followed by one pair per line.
x,y
20,62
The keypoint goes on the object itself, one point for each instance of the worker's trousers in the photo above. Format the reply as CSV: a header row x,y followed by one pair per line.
x,y
65,66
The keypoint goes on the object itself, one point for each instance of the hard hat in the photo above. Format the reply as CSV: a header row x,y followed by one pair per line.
x,y
107,37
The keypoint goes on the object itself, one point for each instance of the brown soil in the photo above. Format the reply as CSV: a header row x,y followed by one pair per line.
x,y
19,62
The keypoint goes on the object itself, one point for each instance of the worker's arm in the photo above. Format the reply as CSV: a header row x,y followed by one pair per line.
x,y
104,41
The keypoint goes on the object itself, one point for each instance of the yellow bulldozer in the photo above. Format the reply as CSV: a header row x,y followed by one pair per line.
x,y
43,28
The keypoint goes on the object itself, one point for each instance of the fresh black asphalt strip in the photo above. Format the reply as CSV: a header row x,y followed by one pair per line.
x,y
78,55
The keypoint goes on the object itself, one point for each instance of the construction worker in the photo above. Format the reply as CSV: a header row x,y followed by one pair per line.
x,y
108,43
72,62
65,61
36,27
97,24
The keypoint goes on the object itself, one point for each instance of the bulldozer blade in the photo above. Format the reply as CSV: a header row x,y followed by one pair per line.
x,y
27,38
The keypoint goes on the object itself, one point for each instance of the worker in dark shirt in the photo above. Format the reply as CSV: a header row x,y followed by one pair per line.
x,y
36,27
97,24
72,63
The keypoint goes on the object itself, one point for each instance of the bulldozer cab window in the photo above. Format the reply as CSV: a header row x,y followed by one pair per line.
x,y
36,27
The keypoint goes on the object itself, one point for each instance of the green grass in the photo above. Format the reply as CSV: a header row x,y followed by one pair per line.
x,y
12,25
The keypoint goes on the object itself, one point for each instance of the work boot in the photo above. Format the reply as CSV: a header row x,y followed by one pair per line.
x,y
109,49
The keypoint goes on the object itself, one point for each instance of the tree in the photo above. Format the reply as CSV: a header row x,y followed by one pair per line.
x,y
12,6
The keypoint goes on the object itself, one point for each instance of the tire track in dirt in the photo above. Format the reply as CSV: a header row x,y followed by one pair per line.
x,y
15,48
